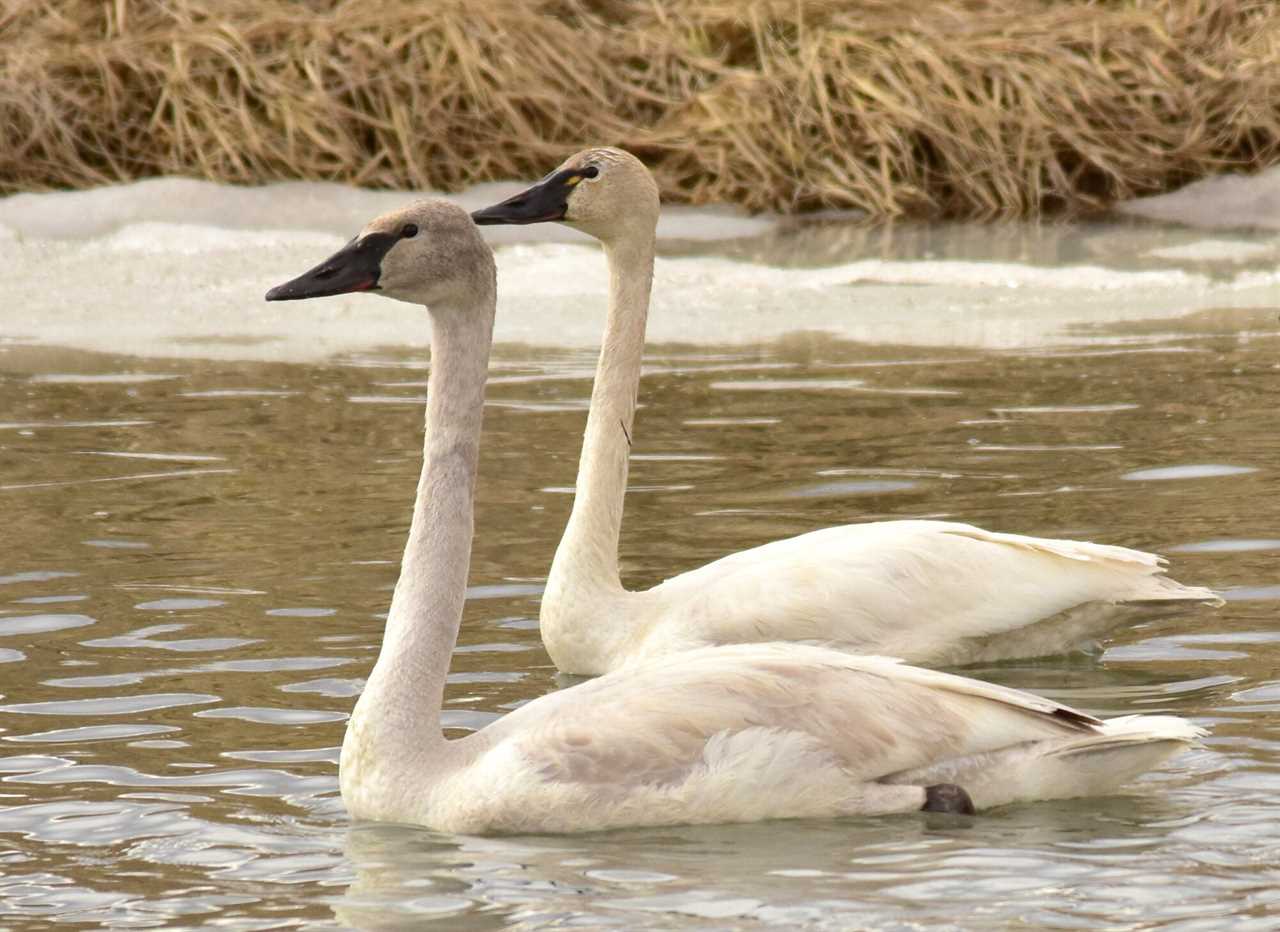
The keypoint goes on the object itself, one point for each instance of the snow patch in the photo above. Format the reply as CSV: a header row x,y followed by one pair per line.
x,y
1222,202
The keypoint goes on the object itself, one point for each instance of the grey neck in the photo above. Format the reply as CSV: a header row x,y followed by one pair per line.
x,y
589,548
406,688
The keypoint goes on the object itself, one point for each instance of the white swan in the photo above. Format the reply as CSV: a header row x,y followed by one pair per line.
x,y
932,592
719,734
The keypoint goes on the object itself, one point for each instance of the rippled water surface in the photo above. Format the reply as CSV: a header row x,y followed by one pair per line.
x,y
198,556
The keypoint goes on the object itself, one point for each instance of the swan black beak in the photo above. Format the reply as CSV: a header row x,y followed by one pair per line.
x,y
357,266
546,201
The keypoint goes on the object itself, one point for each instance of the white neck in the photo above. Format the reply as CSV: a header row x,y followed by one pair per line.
x,y
588,552
401,701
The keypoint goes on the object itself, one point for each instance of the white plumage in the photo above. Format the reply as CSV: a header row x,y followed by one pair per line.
x,y
929,591
935,592
719,734
759,731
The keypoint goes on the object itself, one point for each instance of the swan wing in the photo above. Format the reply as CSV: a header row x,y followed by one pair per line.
x,y
900,587
757,731
657,723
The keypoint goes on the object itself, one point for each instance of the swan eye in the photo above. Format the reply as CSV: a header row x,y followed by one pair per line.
x,y
409,231
590,171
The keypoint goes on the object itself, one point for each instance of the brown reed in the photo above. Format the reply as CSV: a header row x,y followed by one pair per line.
x,y
974,108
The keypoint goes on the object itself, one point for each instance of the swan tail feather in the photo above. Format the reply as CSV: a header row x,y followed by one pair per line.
x,y
1092,765
1146,569
1162,589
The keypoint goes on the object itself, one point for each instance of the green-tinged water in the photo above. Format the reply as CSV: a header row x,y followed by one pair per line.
x,y
197,558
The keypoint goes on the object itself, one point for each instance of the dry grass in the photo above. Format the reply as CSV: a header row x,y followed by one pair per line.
x,y
977,108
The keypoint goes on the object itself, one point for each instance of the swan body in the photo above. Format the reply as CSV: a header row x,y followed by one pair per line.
x,y
931,592
716,734
762,731
938,592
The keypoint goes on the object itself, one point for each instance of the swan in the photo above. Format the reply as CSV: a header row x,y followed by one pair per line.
x,y
718,734
936,593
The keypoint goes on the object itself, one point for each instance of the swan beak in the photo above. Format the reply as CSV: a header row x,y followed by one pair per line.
x,y
545,201
355,267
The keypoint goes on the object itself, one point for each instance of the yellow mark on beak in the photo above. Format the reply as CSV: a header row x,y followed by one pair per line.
x,y
572,180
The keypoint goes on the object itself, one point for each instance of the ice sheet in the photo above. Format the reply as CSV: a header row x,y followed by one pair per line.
x,y
174,267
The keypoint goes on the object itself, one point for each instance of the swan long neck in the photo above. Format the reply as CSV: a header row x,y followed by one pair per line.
x,y
405,691
589,548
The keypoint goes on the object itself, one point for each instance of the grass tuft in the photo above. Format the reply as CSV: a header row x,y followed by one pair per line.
x,y
976,108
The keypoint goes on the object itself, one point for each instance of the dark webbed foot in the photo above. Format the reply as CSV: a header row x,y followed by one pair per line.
x,y
947,797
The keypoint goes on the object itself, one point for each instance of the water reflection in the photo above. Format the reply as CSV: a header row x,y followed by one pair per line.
x,y
202,555
836,875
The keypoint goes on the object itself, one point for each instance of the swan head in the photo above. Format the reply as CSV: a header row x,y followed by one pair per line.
x,y
427,253
602,191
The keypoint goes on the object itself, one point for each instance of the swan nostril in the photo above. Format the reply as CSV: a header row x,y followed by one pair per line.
x,y
327,272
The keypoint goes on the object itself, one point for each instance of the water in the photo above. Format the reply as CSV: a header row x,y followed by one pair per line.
x,y
200,554
202,535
